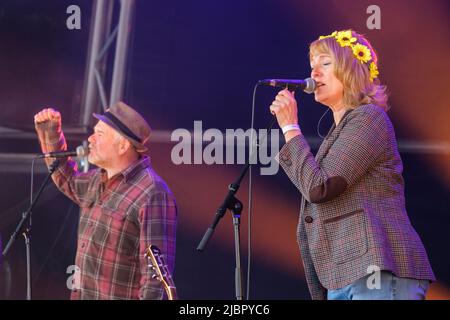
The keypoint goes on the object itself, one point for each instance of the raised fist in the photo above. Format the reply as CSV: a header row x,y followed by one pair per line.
x,y
48,114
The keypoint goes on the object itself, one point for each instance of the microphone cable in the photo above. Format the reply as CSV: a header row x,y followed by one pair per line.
x,y
250,182
31,188
319,122
250,190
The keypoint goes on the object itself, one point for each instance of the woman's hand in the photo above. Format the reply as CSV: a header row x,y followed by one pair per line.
x,y
284,107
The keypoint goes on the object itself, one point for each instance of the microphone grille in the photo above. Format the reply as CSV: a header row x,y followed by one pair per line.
x,y
310,85
82,151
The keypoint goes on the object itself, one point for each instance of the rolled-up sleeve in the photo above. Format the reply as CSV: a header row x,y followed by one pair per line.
x,y
67,178
158,221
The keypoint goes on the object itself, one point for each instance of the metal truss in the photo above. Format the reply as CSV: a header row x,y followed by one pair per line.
x,y
101,40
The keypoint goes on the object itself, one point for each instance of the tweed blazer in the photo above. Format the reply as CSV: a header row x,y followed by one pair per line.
x,y
353,219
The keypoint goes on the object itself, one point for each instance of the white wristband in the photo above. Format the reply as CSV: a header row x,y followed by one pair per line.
x,y
290,127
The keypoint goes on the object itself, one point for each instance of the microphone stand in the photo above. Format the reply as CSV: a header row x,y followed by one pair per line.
x,y
235,205
26,231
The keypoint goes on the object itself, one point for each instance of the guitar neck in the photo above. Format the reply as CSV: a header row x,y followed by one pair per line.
x,y
161,271
171,293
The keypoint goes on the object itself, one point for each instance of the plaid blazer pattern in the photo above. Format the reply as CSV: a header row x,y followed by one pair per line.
x,y
352,217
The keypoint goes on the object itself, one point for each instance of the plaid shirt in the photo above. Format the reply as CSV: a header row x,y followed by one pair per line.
x,y
353,217
119,219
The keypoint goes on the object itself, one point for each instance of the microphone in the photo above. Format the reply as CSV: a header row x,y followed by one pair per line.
x,y
79,152
308,85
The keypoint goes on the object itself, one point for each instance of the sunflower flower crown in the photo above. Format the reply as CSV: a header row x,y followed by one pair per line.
x,y
360,51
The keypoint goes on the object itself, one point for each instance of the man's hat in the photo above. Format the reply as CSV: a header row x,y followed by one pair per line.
x,y
128,123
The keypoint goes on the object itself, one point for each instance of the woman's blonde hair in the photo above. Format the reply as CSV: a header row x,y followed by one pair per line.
x,y
359,87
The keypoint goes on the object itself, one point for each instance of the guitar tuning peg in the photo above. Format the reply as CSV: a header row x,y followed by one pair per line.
x,y
155,277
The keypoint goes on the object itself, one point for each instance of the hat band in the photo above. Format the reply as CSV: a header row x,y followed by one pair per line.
x,y
121,126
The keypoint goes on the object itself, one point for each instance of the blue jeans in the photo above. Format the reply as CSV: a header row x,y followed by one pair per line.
x,y
390,288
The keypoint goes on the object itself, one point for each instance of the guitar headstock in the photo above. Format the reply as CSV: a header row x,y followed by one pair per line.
x,y
160,271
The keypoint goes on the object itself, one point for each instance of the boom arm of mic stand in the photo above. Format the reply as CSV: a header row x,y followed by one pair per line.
x,y
232,189
26,214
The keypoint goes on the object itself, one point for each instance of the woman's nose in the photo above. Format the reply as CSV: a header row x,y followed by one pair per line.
x,y
315,73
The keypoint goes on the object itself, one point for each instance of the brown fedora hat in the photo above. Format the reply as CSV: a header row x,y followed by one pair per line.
x,y
129,123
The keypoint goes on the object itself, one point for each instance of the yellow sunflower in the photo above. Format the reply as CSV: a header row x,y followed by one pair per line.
x,y
362,53
345,38
373,71
328,36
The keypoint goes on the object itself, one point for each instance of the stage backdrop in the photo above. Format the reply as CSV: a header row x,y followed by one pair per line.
x,y
199,61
